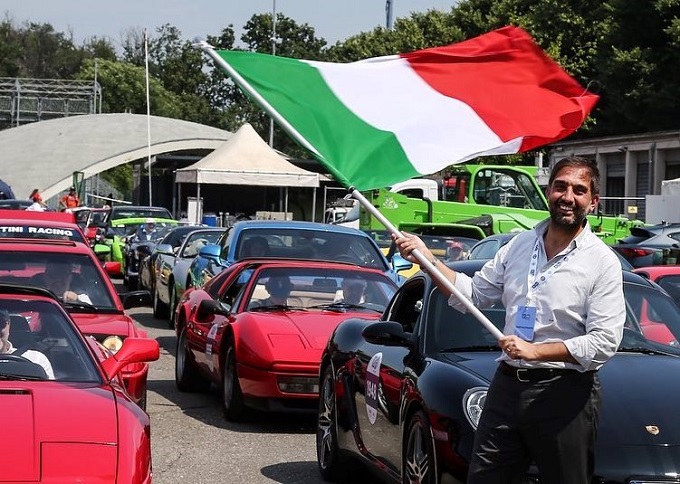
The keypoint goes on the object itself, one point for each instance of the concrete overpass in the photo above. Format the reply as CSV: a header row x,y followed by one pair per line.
x,y
44,155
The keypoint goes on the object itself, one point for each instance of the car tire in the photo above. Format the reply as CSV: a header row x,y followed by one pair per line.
x,y
132,283
328,458
419,462
187,377
142,401
172,307
232,398
160,309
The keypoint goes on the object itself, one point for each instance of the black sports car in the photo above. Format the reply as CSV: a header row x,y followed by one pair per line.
x,y
405,393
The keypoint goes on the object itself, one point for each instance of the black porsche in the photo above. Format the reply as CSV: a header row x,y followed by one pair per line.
x,y
404,394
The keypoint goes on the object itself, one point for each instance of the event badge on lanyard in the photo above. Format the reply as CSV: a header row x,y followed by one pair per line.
x,y
525,320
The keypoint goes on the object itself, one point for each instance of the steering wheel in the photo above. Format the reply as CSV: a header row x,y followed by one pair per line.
x,y
7,357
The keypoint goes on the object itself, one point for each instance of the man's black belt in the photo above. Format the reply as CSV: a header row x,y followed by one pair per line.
x,y
534,374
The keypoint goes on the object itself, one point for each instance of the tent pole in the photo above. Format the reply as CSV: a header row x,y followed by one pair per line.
x,y
314,205
179,198
199,202
285,207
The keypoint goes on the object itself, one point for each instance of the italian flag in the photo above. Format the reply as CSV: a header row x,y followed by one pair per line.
x,y
387,119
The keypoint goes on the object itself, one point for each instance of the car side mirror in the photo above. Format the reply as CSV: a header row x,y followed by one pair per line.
x,y
388,333
209,307
210,251
165,249
136,299
400,264
134,350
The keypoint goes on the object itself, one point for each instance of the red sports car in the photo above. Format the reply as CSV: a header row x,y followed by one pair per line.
x,y
66,415
40,225
668,277
73,273
257,329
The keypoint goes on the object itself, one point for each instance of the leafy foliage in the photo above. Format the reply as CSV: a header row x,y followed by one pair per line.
x,y
626,51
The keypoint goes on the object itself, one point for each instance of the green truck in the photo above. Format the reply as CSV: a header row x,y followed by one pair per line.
x,y
495,198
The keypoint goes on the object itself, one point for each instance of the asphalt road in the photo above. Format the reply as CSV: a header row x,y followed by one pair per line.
x,y
193,442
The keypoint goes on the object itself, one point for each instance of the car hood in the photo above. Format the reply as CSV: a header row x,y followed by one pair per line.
x,y
292,336
47,420
639,398
104,324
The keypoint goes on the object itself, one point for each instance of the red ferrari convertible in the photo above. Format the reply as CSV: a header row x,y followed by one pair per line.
x,y
258,329
66,415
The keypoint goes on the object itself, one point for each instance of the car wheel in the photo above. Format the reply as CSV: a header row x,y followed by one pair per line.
x,y
160,309
172,307
419,459
142,401
232,398
327,453
187,377
132,283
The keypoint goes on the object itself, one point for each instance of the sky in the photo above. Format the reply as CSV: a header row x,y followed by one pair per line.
x,y
331,20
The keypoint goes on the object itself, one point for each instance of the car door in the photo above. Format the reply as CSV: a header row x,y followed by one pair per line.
x,y
380,378
230,294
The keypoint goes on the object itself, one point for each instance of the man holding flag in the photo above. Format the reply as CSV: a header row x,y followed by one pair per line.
x,y
562,288
379,121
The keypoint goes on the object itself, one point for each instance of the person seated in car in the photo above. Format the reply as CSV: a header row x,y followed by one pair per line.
x,y
255,247
146,231
455,251
352,292
63,282
6,347
278,288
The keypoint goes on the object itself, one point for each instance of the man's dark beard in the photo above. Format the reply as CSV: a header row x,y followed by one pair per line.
x,y
579,216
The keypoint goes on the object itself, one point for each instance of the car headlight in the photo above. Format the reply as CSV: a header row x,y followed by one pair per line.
x,y
113,343
473,403
298,384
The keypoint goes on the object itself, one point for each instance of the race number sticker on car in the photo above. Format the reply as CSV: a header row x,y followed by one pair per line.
x,y
372,380
209,344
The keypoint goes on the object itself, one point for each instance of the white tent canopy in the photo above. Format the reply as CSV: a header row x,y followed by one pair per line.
x,y
245,159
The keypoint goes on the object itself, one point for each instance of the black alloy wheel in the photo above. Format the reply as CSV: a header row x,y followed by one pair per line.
x,y
160,309
419,462
172,306
328,458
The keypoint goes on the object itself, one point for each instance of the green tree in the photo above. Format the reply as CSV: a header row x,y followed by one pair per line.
x,y
292,40
124,89
419,31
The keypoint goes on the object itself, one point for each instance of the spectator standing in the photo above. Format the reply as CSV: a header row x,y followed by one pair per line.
x,y
562,288
70,200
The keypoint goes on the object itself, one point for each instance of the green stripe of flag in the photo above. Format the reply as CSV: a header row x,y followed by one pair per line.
x,y
356,153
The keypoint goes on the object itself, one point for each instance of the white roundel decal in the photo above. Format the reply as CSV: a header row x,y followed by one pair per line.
x,y
372,380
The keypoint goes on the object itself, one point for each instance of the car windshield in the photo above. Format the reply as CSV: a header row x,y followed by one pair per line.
x,y
652,323
320,289
39,330
196,241
310,244
60,272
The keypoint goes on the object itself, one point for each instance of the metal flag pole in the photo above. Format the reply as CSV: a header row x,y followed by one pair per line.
x,y
422,261
428,266
262,102
148,109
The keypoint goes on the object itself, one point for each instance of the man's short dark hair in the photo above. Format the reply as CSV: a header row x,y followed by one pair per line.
x,y
578,162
